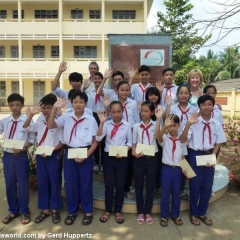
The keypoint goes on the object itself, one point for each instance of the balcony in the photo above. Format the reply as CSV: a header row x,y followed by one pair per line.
x,y
46,67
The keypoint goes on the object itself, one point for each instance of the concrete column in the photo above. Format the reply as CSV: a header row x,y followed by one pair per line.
x,y
103,11
60,17
20,49
145,6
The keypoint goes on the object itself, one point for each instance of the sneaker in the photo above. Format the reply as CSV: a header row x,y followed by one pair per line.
x,y
95,168
101,169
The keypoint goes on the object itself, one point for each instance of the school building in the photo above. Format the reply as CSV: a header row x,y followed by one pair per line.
x,y
36,35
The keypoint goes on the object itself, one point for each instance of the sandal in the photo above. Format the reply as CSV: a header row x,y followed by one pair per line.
x,y
88,218
164,222
178,221
193,220
158,194
184,196
104,217
140,220
56,217
206,220
149,220
25,217
129,195
41,217
119,218
69,220
10,217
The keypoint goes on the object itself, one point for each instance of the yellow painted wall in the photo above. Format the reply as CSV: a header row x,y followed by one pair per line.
x,y
69,44
8,45
138,7
9,8
81,6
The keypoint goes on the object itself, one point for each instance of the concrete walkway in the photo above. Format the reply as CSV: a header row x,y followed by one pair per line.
x,y
225,214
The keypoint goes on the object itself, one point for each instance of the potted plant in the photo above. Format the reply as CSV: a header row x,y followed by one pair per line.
x,y
234,174
32,167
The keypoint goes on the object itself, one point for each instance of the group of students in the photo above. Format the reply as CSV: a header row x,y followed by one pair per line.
x,y
130,114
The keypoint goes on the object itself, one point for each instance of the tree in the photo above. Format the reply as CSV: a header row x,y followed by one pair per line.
x,y
217,24
185,39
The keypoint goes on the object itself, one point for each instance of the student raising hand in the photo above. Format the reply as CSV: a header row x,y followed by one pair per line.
x,y
102,117
168,121
61,103
193,118
62,67
159,112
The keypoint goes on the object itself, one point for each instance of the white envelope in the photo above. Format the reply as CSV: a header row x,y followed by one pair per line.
x,y
11,143
187,168
204,159
44,150
121,150
77,153
148,150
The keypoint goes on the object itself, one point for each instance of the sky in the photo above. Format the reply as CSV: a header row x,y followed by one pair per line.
x,y
203,9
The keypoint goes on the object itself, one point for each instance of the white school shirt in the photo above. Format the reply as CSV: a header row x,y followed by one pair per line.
x,y
217,114
131,112
137,93
195,135
171,92
174,109
137,134
54,136
5,127
41,117
86,110
111,93
123,136
99,106
167,145
85,131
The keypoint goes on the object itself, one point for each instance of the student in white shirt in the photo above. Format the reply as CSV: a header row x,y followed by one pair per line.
x,y
183,109
79,131
204,134
169,88
216,113
144,133
138,90
48,167
132,116
75,80
171,175
15,161
118,133
154,95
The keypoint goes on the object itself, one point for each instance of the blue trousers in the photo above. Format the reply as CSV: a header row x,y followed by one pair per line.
x,y
16,173
171,179
115,171
144,166
49,188
78,184
200,186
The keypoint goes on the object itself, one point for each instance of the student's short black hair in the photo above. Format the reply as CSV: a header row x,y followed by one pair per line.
x,y
208,87
75,77
49,99
98,74
121,83
155,91
205,98
15,97
93,63
71,92
149,104
118,73
114,103
175,119
184,85
167,70
78,93
144,68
